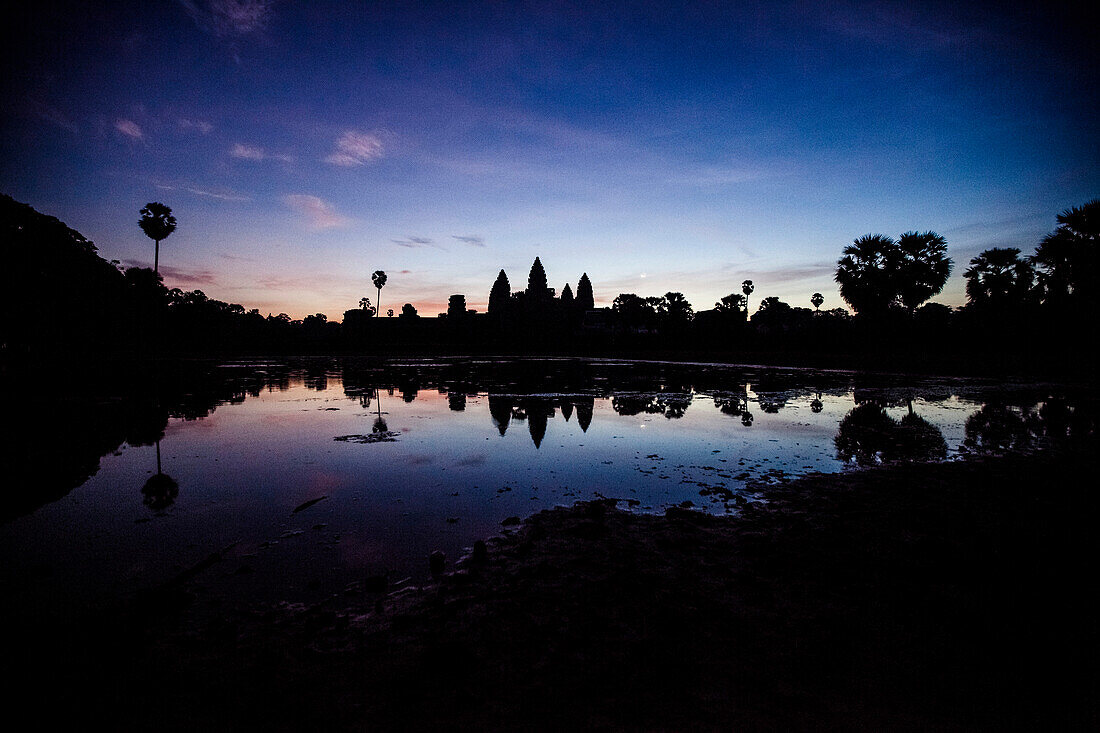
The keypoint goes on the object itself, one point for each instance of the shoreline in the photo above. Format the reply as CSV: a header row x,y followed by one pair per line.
x,y
912,596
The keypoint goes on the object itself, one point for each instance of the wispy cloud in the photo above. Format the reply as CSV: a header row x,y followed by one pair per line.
x,y
415,242
50,114
717,175
229,17
254,152
320,213
129,128
222,194
200,126
472,240
356,148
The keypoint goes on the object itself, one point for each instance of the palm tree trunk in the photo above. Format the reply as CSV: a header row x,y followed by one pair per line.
x,y
156,257
378,313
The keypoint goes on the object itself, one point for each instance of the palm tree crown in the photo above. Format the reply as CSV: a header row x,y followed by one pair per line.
x,y
378,277
157,222
998,275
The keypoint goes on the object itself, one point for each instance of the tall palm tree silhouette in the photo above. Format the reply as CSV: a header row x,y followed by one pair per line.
x,y
816,300
999,276
747,287
157,222
923,267
379,278
865,273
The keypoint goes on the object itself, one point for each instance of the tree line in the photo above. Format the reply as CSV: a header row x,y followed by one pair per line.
x,y
59,295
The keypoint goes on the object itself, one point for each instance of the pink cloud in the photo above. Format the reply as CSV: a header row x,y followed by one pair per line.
x,y
254,152
129,128
356,148
320,213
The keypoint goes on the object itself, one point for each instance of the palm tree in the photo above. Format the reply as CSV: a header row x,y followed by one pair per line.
x,y
865,273
816,300
922,267
747,288
999,276
379,279
732,303
1066,258
157,222
676,308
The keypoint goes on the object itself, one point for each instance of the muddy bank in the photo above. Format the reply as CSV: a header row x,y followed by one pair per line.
x,y
942,596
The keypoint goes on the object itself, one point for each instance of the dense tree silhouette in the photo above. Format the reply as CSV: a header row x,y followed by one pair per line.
x,y
378,277
816,300
157,222
585,301
1066,258
865,273
675,310
999,278
922,267
408,312
499,294
634,313
733,305
876,272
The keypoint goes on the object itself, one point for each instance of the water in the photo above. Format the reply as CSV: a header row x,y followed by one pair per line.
x,y
407,458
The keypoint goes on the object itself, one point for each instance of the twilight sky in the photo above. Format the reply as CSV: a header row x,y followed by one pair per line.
x,y
656,146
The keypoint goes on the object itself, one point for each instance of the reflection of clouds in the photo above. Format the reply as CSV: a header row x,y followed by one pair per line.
x,y
471,461
419,459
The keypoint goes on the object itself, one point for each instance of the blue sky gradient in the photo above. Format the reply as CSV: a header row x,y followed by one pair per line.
x,y
655,146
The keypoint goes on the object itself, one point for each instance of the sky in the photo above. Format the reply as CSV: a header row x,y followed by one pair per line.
x,y
655,146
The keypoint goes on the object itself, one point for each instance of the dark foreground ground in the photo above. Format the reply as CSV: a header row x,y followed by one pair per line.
x,y
952,596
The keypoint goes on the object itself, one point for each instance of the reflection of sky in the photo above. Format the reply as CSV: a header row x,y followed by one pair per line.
x,y
671,147
243,470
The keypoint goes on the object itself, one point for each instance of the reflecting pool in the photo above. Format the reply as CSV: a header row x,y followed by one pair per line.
x,y
310,475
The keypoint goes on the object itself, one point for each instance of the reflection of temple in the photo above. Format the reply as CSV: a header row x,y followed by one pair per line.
x,y
537,411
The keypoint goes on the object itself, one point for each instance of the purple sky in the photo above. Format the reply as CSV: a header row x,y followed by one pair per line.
x,y
655,146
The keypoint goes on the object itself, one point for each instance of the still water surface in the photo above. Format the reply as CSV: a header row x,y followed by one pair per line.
x,y
411,457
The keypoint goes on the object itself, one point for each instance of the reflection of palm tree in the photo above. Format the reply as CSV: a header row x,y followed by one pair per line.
x,y
161,489
998,428
816,404
867,435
